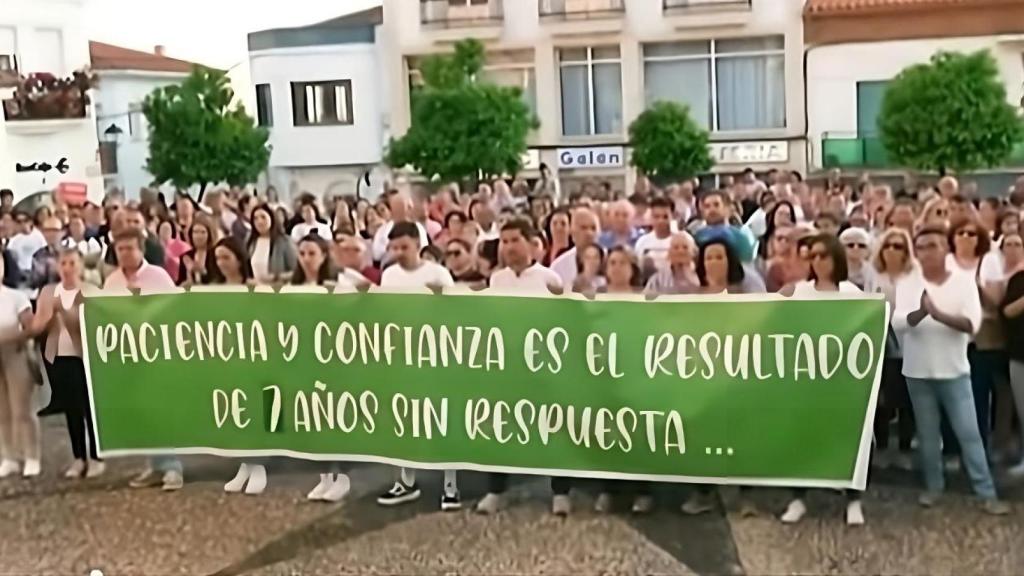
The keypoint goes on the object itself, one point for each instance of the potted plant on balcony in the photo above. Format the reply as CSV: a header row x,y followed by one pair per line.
x,y
43,96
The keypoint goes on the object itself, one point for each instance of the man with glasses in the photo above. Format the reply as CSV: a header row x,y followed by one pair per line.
x,y
937,312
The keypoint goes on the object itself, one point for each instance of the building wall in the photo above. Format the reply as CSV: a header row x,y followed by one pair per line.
x,y
119,100
309,146
25,142
644,21
834,71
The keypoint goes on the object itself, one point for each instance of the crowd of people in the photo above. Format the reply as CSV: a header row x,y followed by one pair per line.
x,y
950,265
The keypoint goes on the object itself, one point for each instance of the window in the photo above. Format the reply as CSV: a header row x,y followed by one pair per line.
x,y
137,128
591,90
322,103
264,105
869,106
48,55
735,84
513,68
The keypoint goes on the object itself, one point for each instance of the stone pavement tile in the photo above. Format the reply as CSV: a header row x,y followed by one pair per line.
x,y
128,531
523,539
899,538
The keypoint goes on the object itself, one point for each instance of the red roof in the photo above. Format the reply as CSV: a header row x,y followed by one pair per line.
x,y
839,7
110,57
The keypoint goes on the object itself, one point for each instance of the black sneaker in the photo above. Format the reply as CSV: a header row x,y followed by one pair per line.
x,y
399,494
451,502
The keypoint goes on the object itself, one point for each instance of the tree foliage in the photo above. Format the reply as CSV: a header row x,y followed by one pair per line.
x,y
197,137
951,113
462,127
667,144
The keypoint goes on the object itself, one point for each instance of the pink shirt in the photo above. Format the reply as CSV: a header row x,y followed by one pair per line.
x,y
148,278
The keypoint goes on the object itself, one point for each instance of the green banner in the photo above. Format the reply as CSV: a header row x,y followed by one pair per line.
x,y
749,390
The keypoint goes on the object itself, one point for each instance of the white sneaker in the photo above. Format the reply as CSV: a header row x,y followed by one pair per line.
x,y
854,513
794,512
9,467
76,470
32,468
96,469
561,505
339,488
490,504
318,492
257,480
172,481
1017,471
238,482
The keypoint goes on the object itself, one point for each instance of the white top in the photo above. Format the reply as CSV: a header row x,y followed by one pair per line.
x,y
24,246
261,259
565,267
806,288
536,278
86,247
65,346
931,349
492,233
993,267
758,221
380,240
302,230
428,273
650,246
12,303
350,278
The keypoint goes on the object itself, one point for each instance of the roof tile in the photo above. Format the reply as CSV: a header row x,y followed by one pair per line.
x,y
110,57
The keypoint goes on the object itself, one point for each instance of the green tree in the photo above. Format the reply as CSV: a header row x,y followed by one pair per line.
x,y
463,128
951,113
198,137
667,144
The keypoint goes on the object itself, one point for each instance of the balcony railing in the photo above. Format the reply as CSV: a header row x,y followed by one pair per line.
x,y
461,13
683,6
839,151
581,9
46,97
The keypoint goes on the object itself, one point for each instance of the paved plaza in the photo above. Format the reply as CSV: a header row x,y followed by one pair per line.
x,y
58,526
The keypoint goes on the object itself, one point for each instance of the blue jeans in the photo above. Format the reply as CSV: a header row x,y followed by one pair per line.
x,y
165,464
954,397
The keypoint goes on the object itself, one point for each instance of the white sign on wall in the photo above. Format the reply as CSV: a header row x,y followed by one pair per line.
x,y
591,157
763,152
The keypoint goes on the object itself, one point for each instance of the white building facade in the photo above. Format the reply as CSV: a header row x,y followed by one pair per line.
x,y
126,78
45,36
588,68
320,91
853,54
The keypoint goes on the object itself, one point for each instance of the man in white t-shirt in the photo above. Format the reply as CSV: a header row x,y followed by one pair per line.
x,y
937,312
401,211
652,248
26,242
410,271
584,228
522,274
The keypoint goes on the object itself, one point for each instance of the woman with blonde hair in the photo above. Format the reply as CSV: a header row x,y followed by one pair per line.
x,y
892,262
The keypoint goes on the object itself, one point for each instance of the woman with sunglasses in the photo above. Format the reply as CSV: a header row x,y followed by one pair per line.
x,y
784,264
458,259
828,274
968,243
857,243
892,263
